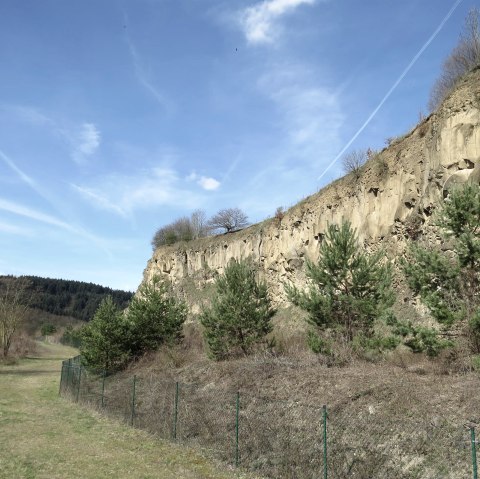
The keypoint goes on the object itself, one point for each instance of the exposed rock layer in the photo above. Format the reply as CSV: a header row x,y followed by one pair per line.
x,y
391,201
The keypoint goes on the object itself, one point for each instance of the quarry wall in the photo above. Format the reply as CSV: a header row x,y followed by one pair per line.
x,y
391,202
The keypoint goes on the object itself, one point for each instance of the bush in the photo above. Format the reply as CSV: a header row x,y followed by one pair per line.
x,y
72,337
474,327
279,214
353,162
476,363
381,165
48,329
182,229
240,313
317,344
377,344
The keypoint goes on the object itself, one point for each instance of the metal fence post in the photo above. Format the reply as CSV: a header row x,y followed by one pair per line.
x,y
103,388
79,382
325,465
474,452
133,400
175,412
69,367
236,428
61,378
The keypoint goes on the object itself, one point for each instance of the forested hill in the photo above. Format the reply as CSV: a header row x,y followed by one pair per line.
x,y
66,297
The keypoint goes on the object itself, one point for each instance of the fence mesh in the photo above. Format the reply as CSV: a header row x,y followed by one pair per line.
x,y
399,446
283,439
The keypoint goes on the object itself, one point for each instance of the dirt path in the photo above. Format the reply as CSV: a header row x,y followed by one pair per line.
x,y
44,436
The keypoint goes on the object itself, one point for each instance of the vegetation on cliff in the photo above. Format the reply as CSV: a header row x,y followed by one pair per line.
x,y
349,289
447,279
463,58
240,312
197,226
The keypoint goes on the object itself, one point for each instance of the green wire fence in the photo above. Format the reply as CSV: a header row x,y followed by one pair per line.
x,y
282,439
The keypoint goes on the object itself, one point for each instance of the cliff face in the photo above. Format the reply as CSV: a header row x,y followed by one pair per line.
x,y
391,201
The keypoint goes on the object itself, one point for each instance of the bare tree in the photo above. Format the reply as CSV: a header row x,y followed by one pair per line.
x,y
198,222
13,310
230,219
353,162
464,57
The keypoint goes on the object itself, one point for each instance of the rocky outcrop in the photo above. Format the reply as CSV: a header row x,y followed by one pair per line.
x,y
394,198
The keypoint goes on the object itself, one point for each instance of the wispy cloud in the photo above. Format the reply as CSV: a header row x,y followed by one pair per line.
x,y
29,181
140,72
103,202
28,114
83,139
85,142
17,209
21,174
14,230
123,194
310,113
38,216
205,182
260,22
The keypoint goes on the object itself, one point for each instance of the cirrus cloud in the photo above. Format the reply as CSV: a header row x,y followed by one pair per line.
x,y
123,194
259,21
85,143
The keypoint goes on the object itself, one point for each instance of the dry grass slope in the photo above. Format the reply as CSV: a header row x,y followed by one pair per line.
x,y
385,420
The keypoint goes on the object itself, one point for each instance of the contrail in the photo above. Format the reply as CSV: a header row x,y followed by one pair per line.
x,y
394,86
23,176
19,210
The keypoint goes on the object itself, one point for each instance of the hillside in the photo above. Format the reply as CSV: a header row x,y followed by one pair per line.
x,y
394,414
391,203
75,299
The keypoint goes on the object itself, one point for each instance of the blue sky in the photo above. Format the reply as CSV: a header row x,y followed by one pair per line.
x,y
117,117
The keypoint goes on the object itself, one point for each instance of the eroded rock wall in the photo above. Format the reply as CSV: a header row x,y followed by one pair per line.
x,y
391,201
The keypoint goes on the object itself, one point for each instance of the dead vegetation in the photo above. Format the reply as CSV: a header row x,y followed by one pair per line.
x,y
402,417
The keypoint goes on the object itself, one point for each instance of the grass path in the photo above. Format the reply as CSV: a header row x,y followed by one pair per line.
x,y
43,436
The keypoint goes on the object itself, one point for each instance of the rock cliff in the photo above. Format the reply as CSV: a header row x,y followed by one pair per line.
x,y
391,201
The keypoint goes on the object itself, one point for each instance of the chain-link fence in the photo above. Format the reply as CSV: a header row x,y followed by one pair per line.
x,y
282,439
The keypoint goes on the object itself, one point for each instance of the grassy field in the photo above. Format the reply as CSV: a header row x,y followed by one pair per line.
x,y
44,436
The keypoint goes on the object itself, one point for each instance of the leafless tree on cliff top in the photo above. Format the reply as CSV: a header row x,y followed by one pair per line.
x,y
464,57
229,219
198,221
353,162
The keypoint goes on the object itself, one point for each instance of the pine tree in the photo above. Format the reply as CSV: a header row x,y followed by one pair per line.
x,y
240,313
449,283
348,289
104,340
154,317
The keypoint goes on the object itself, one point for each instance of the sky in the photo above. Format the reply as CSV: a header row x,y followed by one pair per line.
x,y
119,116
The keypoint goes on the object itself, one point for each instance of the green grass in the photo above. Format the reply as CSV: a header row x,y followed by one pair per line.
x,y
44,436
